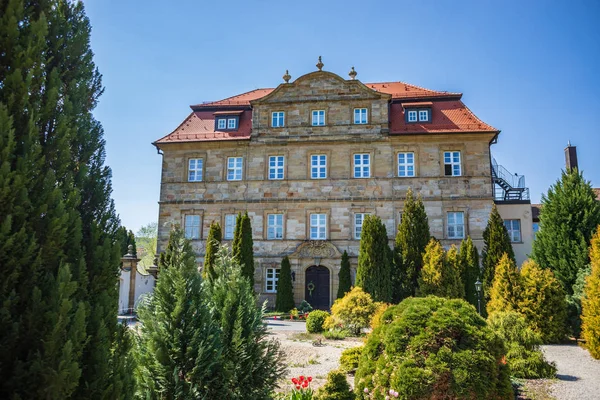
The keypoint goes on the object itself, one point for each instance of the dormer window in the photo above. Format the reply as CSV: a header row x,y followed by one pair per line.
x,y
227,120
417,112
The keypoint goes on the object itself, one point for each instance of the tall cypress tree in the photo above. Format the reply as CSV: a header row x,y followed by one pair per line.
x,y
345,280
470,269
180,352
569,216
374,270
60,257
496,244
411,240
213,242
242,246
284,301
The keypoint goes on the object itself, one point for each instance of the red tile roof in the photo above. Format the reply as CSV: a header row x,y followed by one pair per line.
x,y
448,112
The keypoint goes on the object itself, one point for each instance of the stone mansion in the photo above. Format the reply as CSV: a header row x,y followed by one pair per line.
x,y
310,158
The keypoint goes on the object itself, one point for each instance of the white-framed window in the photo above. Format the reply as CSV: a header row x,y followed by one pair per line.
x,y
362,165
423,115
271,279
276,167
192,226
318,226
318,166
359,218
229,226
406,164
231,123
456,225
274,226
318,117
234,168
221,123
513,226
452,163
195,169
277,119
412,116
360,116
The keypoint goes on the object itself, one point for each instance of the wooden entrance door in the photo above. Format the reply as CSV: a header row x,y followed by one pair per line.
x,y
316,287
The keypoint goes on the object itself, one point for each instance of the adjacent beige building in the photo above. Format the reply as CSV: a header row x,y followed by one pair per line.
x,y
310,158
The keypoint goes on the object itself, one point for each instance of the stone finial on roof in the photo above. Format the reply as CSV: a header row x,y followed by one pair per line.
x,y
320,64
287,77
352,73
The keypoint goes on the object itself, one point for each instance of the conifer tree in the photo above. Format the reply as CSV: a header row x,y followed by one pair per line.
x,y
412,238
505,293
569,215
496,244
440,275
242,246
470,269
213,242
345,280
284,301
179,352
590,302
251,361
374,272
125,238
542,302
59,251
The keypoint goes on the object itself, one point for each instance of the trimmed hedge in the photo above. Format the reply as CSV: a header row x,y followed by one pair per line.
x,y
434,348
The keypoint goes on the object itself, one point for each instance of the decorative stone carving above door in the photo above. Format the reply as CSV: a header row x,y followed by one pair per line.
x,y
316,249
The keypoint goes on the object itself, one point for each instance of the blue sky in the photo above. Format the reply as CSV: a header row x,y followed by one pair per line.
x,y
528,68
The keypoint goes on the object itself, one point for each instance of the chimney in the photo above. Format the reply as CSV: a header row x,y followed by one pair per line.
x,y
571,156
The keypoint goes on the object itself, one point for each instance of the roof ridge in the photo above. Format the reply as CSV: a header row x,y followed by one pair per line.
x,y
231,97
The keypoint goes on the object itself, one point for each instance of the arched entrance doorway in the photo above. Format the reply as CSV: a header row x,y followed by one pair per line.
x,y
316,288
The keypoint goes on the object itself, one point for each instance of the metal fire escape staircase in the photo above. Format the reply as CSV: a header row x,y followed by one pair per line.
x,y
508,187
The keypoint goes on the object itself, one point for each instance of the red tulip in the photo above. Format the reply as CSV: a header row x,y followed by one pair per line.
x,y
310,378
301,377
294,381
304,384
297,387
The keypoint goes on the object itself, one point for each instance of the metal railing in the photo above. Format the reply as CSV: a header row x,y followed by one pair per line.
x,y
507,186
514,180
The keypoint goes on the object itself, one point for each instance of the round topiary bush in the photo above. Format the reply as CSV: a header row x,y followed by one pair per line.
x,y
433,348
315,320
336,388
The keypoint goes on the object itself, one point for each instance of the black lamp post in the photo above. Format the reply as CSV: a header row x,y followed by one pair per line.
x,y
478,287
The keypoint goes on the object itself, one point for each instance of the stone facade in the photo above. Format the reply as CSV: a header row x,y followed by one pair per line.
x,y
339,196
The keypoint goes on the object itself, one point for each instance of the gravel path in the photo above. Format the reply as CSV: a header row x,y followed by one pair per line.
x,y
578,373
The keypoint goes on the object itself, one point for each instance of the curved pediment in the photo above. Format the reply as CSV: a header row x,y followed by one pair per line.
x,y
316,249
321,86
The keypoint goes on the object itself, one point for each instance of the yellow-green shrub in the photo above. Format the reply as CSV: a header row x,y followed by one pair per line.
x,y
590,304
353,311
336,388
379,310
315,320
349,359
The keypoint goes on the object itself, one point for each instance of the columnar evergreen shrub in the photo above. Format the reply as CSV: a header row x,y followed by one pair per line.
x,y
569,215
336,388
433,348
315,321
411,240
440,275
374,269
590,303
252,363
213,243
353,311
284,300
345,280
59,251
505,293
523,355
574,302
349,359
496,244
242,246
542,301
180,350
470,269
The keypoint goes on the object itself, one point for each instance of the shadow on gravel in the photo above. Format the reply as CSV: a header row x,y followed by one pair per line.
x,y
568,378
